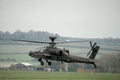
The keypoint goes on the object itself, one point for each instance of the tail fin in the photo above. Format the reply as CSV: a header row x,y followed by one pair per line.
x,y
94,52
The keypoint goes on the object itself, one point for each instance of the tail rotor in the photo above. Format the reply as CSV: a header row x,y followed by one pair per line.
x,y
93,51
92,47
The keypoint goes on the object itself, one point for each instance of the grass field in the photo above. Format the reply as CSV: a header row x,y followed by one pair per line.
x,y
32,75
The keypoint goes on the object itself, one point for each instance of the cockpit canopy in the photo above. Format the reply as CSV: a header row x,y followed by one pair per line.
x,y
41,49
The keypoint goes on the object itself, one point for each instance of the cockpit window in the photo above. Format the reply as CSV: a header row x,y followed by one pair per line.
x,y
41,49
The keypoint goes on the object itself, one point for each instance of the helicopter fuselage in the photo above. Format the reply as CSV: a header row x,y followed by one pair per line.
x,y
51,53
57,54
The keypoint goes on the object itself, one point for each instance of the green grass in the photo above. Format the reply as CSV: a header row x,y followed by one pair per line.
x,y
32,75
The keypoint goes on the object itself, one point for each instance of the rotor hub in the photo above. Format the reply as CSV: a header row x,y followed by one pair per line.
x,y
52,38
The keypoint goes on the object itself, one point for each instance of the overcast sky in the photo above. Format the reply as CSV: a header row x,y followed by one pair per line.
x,y
72,18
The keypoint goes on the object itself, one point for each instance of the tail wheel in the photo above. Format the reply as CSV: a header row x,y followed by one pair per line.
x,y
49,63
42,63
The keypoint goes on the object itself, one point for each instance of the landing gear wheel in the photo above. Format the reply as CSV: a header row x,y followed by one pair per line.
x,y
42,63
95,65
49,63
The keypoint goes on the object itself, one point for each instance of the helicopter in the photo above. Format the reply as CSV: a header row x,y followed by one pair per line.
x,y
54,53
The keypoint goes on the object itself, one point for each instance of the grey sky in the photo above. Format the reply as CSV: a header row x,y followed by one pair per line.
x,y
73,18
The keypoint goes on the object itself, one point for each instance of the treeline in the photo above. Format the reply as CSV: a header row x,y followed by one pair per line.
x,y
44,36
31,35
109,63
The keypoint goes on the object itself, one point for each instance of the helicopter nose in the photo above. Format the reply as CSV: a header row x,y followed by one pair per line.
x,y
30,53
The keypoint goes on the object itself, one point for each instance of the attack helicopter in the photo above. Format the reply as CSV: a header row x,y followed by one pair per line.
x,y
54,53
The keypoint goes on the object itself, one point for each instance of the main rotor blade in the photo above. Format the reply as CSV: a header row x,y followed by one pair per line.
x,y
49,42
71,42
92,47
31,41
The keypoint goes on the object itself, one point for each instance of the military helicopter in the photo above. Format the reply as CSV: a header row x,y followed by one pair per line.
x,y
54,53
